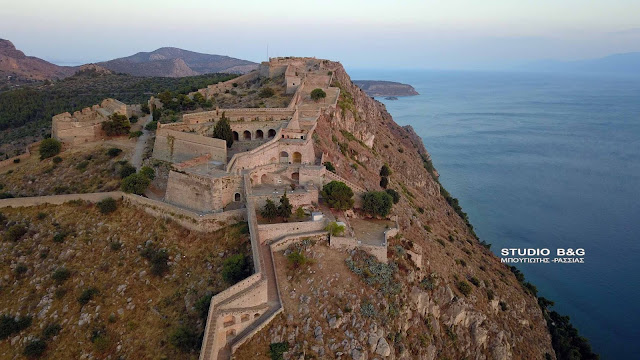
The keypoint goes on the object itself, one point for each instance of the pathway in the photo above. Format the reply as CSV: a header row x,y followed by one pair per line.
x,y
141,144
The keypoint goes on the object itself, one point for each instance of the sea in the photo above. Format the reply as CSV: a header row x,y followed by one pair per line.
x,y
544,160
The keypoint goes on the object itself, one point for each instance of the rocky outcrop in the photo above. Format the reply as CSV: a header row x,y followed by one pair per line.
x,y
15,63
385,88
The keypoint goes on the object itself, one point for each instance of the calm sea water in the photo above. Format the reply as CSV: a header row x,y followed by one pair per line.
x,y
544,161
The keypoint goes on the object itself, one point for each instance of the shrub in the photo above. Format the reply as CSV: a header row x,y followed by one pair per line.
x,y
49,147
40,216
82,165
329,166
113,152
185,338
115,245
377,203
135,134
152,126
235,268
317,94
148,172
57,159
490,294
116,125
266,92
394,195
385,170
338,195
35,348
474,280
51,330
276,350
384,181
16,160
10,325
107,206
503,306
145,108
158,259
464,287
300,212
367,310
87,295
126,170
297,259
135,183
21,269
61,274
334,229
15,233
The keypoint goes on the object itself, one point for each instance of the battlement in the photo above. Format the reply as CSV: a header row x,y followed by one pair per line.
x,y
86,125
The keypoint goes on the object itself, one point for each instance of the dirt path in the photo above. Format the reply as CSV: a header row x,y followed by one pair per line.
x,y
138,151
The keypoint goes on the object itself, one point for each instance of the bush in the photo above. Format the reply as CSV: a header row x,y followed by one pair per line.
x,y
57,159
300,213
277,349
464,287
385,170
152,126
185,338
296,259
394,195
158,259
266,92
82,165
133,119
35,348
21,269
16,160
334,229
49,147
338,195
10,325
235,268
384,181
317,94
115,245
61,274
108,205
15,233
329,166
474,280
148,172
116,125
51,330
126,170
113,152
135,134
87,295
377,203
135,183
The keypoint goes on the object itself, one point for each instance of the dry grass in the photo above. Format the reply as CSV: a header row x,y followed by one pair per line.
x,y
135,322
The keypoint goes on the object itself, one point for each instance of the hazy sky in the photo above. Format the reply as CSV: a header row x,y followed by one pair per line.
x,y
361,34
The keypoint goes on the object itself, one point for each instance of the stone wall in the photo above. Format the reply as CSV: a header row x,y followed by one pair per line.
x,y
176,146
240,114
270,232
299,197
380,252
86,125
203,193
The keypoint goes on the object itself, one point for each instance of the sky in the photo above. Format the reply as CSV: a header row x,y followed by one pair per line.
x,y
431,34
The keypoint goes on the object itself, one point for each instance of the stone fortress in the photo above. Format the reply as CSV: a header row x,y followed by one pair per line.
x,y
210,185
86,125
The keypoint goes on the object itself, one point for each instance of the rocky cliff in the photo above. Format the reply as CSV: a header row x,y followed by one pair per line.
x,y
385,88
443,295
14,63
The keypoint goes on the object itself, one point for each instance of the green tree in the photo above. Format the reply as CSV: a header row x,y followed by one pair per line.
x,y
285,207
107,206
144,107
329,166
384,181
199,98
385,170
338,195
394,194
334,229
49,147
135,183
317,94
116,125
377,203
222,130
270,210
148,172
235,268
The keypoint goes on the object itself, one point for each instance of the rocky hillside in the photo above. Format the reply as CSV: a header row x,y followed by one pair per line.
x,y
14,63
462,303
174,62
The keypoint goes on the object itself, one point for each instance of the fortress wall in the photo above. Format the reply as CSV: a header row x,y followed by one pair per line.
x,y
177,146
246,114
270,153
312,174
191,191
273,231
380,252
285,242
296,198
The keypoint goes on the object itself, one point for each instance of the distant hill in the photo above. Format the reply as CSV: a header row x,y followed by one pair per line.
x,y
174,62
15,66
616,63
385,88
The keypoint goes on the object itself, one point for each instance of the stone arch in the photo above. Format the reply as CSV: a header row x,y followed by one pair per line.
x,y
256,315
263,179
259,134
237,197
271,133
244,317
295,176
273,160
246,135
297,157
284,157
231,333
235,136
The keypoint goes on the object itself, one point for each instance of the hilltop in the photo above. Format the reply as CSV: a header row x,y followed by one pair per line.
x,y
174,62
16,67
385,88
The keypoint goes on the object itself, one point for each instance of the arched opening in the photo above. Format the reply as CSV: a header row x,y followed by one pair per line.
x,y
263,179
259,134
235,136
246,135
256,315
273,160
244,317
295,176
271,133
284,157
297,157
236,197
231,333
